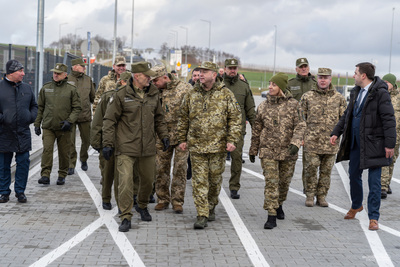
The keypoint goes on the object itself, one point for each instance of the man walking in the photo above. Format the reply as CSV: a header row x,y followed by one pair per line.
x,y
133,116
172,91
59,107
369,137
18,109
86,90
244,97
322,108
210,125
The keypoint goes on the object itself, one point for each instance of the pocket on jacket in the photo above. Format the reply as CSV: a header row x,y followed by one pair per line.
x,y
375,146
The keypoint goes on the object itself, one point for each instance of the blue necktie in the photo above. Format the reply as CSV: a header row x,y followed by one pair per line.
x,y
360,99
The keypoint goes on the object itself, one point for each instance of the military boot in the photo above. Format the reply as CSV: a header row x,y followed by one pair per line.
x,y
271,222
383,194
279,213
321,201
201,222
310,201
211,215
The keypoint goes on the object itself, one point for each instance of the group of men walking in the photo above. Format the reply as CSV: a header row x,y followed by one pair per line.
x,y
147,120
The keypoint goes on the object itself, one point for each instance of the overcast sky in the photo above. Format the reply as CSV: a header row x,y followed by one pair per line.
x,y
335,33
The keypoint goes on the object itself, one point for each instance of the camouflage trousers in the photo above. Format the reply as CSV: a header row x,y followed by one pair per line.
x,y
387,171
317,186
278,175
163,180
207,172
236,165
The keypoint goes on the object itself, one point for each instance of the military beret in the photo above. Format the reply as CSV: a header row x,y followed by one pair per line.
x,y
301,61
142,67
324,71
60,68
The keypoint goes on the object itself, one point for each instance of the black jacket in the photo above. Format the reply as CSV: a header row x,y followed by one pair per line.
x,y
377,126
18,109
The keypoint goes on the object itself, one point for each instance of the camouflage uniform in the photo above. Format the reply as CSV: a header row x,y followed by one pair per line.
x,y
171,99
322,110
209,120
278,124
107,83
86,90
243,95
387,171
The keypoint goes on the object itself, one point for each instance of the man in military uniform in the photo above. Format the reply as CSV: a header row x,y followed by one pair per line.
x,y
172,92
109,82
133,116
244,97
303,82
387,171
86,90
322,107
59,107
210,124
109,175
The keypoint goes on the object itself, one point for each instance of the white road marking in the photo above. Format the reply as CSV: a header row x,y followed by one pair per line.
x,y
249,244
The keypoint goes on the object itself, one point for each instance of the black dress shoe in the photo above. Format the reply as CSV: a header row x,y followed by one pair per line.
x,y
84,166
234,194
125,226
71,171
107,206
44,180
4,198
21,197
60,181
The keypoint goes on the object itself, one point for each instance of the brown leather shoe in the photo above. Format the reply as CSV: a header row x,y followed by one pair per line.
x,y
351,214
161,206
373,225
177,208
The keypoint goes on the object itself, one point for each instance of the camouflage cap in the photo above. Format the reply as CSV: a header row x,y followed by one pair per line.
x,y
142,67
324,71
60,68
78,61
125,76
119,60
160,70
301,61
207,65
231,62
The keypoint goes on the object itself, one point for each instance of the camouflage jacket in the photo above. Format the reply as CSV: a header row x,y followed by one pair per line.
x,y
171,99
322,111
86,90
57,101
131,122
209,119
278,124
96,133
245,98
299,85
107,83
395,98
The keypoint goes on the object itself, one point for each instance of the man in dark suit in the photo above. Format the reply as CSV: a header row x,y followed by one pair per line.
x,y
369,136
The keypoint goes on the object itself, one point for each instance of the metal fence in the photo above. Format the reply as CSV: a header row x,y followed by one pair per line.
x,y
27,56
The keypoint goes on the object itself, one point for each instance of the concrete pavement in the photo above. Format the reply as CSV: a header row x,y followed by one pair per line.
x,y
66,226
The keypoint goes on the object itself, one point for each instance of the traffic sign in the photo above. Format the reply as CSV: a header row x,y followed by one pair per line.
x,y
94,47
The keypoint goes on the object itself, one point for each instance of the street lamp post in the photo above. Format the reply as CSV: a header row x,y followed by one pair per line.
x,y
391,41
276,32
39,48
133,8
115,32
75,38
209,36
59,37
176,38
187,30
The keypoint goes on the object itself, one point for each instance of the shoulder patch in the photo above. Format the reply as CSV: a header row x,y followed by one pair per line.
x,y
71,82
111,99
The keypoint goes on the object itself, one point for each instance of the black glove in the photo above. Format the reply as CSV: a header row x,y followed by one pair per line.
x,y
65,126
293,149
38,131
107,152
252,158
165,142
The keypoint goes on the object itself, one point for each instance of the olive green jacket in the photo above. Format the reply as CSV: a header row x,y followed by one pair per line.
x,y
244,97
96,133
134,122
86,90
300,84
209,119
57,101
